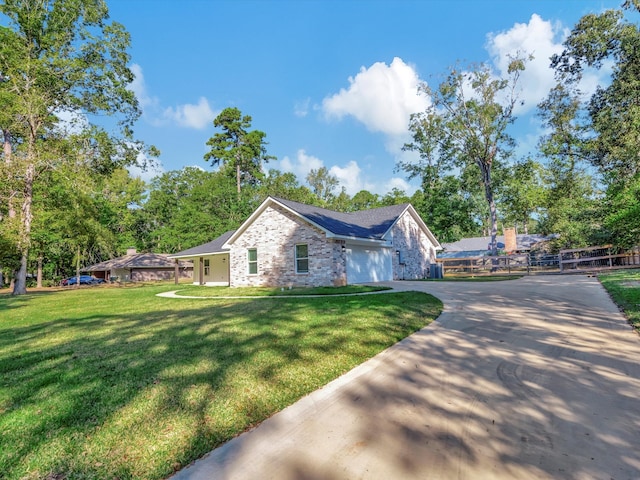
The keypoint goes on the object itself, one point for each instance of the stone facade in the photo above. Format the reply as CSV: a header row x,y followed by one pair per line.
x,y
415,251
274,234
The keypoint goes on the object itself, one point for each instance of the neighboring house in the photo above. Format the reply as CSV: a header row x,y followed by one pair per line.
x,y
285,243
137,267
479,246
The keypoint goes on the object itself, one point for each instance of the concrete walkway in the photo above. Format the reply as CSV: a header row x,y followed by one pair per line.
x,y
536,378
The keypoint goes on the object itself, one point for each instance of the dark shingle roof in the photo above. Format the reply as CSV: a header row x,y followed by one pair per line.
x,y
215,246
371,224
136,260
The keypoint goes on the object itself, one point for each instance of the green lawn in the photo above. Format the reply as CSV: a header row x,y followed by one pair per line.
x,y
199,291
118,383
624,288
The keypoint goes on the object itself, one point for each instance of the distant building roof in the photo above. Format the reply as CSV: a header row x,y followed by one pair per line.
x,y
212,247
136,260
479,246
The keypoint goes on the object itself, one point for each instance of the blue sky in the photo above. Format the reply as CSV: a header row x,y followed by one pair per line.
x,y
332,83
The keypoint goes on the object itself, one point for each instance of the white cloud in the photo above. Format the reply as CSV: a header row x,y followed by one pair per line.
x,y
152,168
400,184
187,115
301,108
71,122
350,176
301,165
542,39
381,97
191,116
139,88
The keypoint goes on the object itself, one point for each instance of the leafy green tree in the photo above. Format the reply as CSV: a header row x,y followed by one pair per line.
x,y
57,57
341,202
614,110
466,124
285,185
322,184
569,207
613,113
522,193
365,200
191,206
237,148
395,197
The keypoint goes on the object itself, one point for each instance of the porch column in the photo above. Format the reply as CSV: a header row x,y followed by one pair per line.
x,y
176,271
201,269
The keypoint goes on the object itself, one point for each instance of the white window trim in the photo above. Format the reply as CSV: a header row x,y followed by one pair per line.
x,y
249,262
295,254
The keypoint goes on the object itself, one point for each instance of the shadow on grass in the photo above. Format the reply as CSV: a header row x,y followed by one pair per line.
x,y
135,392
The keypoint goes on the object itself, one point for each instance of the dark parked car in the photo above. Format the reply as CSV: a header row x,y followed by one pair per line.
x,y
84,280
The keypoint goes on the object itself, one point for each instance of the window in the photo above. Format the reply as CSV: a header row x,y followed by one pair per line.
x,y
253,261
207,266
302,258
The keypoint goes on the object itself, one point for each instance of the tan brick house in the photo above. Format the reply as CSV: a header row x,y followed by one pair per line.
x,y
285,243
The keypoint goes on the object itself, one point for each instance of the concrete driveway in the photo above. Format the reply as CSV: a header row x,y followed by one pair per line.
x,y
526,379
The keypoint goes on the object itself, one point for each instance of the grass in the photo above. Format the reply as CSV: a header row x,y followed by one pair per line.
x,y
118,383
198,291
624,288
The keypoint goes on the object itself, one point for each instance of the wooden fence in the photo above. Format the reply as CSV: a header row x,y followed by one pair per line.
x,y
596,258
567,261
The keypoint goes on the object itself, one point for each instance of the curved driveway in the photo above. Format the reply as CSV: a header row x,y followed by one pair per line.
x,y
536,378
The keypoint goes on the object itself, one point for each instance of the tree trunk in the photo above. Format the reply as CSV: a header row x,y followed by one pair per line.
x,y
20,285
39,285
485,168
238,177
7,150
78,268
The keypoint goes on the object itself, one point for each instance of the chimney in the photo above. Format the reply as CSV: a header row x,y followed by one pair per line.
x,y
131,251
510,242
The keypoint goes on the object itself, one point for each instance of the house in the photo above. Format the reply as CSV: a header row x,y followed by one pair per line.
x,y
137,267
479,246
285,243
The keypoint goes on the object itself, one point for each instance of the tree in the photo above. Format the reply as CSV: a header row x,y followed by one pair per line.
x,y
466,123
237,148
285,185
322,184
365,200
523,192
568,206
613,113
61,57
191,206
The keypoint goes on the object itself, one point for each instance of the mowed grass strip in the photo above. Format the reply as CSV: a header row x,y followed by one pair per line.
x,y
118,383
624,288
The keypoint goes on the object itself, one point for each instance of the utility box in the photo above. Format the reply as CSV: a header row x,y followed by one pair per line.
x,y
435,271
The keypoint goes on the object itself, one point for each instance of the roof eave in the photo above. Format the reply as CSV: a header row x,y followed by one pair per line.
x,y
195,255
263,206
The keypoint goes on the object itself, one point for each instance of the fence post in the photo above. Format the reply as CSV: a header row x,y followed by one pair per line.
x,y
610,259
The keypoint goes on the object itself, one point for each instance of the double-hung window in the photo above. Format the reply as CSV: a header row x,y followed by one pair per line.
x,y
302,258
252,257
207,266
